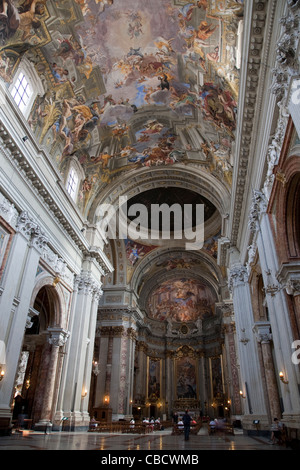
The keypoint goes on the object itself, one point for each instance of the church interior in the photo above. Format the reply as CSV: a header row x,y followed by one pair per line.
x,y
110,109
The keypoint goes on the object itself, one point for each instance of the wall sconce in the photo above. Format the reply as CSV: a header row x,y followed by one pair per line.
x,y
242,395
281,376
2,373
106,399
84,393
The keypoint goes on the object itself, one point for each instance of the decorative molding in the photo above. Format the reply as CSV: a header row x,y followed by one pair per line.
x,y
273,152
58,265
258,207
258,39
8,211
243,338
287,62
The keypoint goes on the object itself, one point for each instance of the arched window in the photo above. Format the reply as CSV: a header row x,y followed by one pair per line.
x,y
72,183
26,86
21,92
75,175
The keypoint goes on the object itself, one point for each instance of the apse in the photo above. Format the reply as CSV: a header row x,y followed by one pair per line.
x,y
181,300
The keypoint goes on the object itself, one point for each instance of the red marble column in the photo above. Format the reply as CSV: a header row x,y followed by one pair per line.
x,y
57,339
264,337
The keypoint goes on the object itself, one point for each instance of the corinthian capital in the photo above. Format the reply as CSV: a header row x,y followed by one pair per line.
x,y
26,224
58,336
30,229
87,285
39,240
238,276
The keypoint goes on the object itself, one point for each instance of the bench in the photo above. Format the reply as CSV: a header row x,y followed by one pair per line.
x,y
226,428
179,429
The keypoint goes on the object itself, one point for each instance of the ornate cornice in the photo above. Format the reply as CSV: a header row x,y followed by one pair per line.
x,y
250,102
115,331
287,62
13,151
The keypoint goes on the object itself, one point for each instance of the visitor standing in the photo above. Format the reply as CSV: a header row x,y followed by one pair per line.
x,y
187,425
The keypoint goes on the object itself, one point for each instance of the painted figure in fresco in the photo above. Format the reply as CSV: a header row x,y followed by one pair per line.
x,y
60,74
205,30
6,67
164,82
28,16
202,4
9,20
186,12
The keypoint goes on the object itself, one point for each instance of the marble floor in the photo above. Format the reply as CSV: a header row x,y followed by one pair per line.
x,y
155,442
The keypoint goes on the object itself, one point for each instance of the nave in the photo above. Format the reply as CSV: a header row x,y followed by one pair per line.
x,y
157,441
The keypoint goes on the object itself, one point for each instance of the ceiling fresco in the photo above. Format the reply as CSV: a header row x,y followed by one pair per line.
x,y
103,63
130,85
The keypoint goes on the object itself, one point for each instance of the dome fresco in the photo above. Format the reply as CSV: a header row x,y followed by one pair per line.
x,y
181,300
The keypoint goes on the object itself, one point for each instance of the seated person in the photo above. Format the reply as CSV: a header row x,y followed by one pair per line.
x,y
212,425
180,424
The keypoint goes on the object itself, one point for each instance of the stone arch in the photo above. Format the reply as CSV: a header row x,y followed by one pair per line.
x,y
55,291
288,197
209,268
139,181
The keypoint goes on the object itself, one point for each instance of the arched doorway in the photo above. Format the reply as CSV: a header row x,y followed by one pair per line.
x,y
31,382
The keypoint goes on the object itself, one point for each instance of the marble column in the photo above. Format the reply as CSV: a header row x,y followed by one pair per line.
x,y
65,389
17,286
141,373
202,382
264,337
122,396
278,310
130,365
88,360
107,381
233,372
253,404
57,338
77,380
169,383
